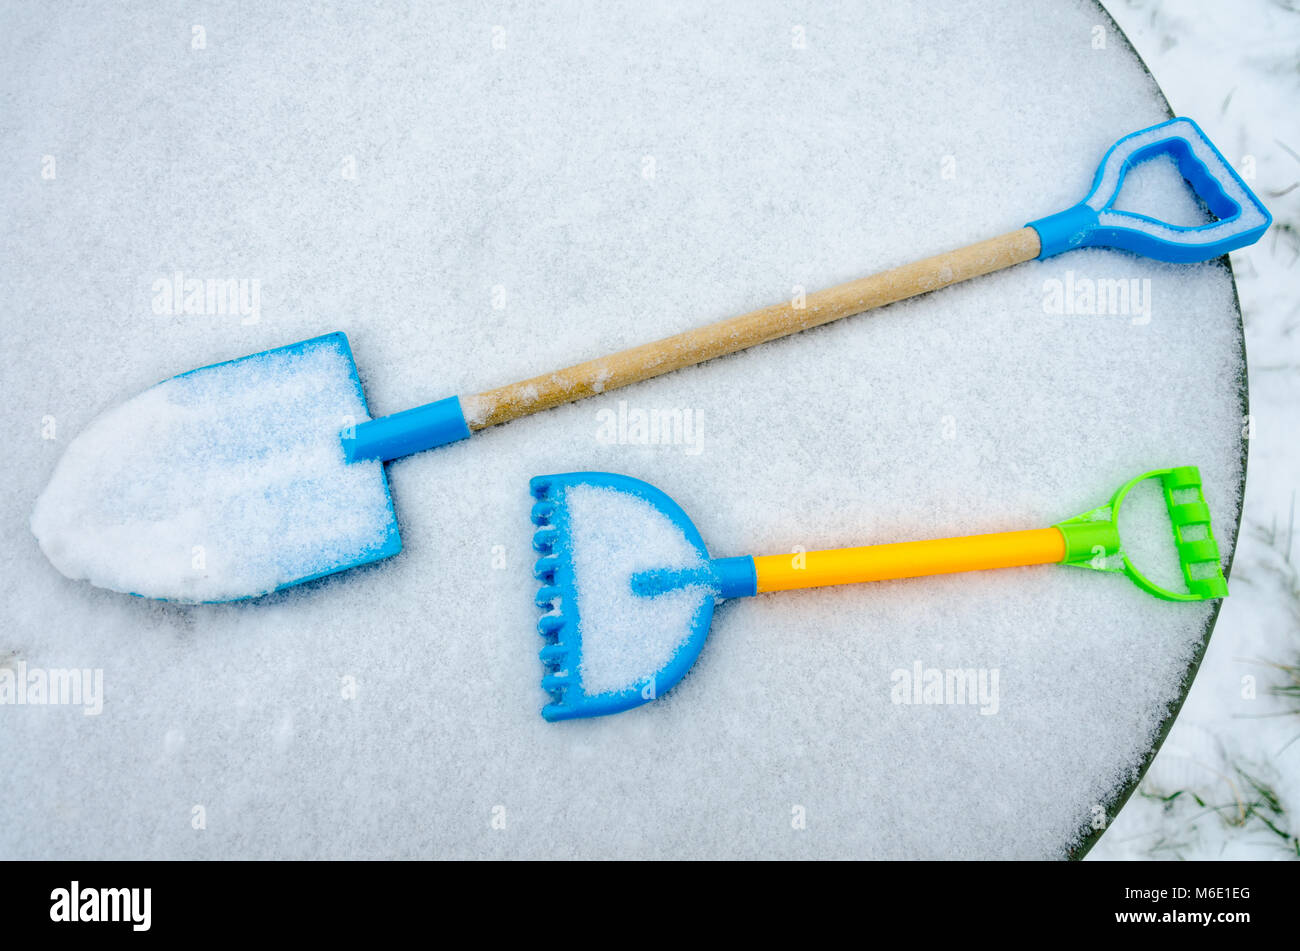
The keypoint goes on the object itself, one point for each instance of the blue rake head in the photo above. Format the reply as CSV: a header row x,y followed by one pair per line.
x,y
1095,222
628,588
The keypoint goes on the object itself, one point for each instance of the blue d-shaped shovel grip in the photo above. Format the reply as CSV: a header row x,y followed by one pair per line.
x,y
1242,218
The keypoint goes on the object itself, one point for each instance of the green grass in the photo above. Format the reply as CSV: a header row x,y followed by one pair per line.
x,y
1254,806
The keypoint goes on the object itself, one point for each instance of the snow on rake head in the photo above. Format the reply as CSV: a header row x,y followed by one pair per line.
x,y
628,587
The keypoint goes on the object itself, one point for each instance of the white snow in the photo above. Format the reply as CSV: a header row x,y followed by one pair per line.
x,y
626,638
222,483
622,174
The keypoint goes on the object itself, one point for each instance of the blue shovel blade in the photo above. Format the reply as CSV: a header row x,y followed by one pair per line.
x,y
324,550
223,483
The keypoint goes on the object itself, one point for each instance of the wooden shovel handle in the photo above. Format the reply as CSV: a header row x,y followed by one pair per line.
x,y
737,333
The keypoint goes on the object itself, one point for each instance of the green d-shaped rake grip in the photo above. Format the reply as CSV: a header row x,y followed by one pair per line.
x,y
1092,539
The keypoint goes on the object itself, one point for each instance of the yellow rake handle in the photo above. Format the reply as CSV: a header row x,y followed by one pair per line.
x,y
813,569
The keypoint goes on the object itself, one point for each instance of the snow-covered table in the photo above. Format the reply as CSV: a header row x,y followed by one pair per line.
x,y
474,200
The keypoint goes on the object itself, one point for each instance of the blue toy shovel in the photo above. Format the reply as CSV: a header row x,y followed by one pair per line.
x,y
76,545
629,588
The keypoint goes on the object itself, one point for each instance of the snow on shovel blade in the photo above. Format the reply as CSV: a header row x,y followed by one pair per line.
x,y
609,646
223,483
